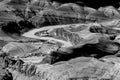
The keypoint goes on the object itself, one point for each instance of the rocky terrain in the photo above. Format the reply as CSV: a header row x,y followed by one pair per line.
x,y
49,40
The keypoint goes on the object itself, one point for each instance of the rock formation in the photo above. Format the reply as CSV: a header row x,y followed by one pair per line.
x,y
45,40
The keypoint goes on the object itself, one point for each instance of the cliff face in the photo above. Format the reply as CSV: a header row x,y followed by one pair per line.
x,y
48,40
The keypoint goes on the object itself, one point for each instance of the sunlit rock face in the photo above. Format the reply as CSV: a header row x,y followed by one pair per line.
x,y
48,40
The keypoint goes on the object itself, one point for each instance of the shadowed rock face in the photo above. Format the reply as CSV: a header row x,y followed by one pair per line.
x,y
17,28
47,40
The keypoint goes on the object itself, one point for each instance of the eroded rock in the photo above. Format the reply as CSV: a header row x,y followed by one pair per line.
x,y
54,41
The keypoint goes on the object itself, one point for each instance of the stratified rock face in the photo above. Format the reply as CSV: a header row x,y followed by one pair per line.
x,y
45,40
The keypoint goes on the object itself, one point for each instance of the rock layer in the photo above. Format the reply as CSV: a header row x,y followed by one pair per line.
x,y
46,40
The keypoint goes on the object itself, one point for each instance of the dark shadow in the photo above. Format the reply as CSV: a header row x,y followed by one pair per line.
x,y
17,28
88,50
7,76
92,3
